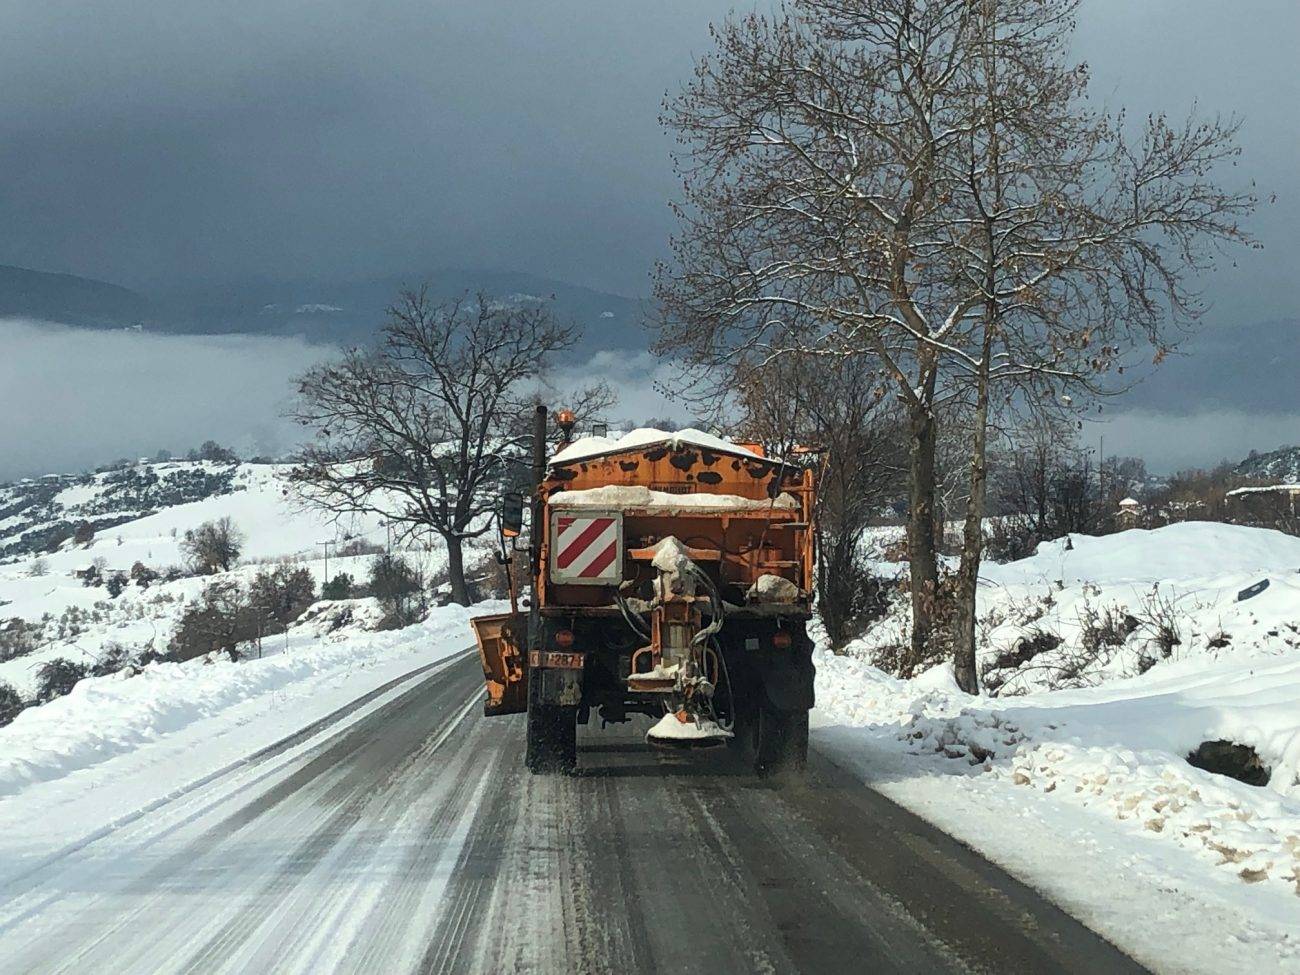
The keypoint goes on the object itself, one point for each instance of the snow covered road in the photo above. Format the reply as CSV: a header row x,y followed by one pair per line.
x,y
412,840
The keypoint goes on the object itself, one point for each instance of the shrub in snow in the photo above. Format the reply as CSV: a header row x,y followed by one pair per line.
x,y
280,595
491,579
359,546
116,583
17,639
213,547
1009,539
340,587
58,677
38,568
11,702
212,451
398,587
142,575
220,620
113,658
850,597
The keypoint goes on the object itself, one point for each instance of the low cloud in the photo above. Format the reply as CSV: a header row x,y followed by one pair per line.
x,y
75,398
1174,441
72,399
639,380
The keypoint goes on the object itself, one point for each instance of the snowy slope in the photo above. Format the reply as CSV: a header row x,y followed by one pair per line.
x,y
1108,814
85,620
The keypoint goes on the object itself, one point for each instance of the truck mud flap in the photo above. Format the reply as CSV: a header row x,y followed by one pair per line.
x,y
788,688
505,665
558,686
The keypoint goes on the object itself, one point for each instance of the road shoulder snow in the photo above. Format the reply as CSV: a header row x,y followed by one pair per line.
x,y
115,747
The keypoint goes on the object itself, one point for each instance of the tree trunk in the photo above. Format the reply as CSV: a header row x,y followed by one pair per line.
x,y
921,549
972,544
972,548
456,570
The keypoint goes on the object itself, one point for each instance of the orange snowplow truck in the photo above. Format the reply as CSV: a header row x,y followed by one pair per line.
x,y
671,576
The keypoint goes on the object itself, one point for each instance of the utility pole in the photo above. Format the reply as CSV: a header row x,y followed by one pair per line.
x,y
1101,468
327,558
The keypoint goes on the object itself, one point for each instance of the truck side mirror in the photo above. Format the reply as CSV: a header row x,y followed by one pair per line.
x,y
512,514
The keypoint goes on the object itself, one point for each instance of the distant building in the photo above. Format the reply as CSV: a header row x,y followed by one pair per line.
x,y
1130,509
1265,503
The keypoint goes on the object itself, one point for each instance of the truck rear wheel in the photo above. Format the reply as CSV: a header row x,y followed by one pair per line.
x,y
552,745
779,740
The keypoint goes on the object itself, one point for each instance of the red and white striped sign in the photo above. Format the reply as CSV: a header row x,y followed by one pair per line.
x,y
585,548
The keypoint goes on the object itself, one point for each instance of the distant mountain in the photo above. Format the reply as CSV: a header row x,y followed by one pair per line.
x,y
1281,466
340,313
69,299
348,313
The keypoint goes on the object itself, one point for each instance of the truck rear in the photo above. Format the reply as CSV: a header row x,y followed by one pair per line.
x,y
670,575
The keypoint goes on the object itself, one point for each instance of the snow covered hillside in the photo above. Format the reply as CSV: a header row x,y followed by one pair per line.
x,y
1112,660
71,620
39,514
1275,466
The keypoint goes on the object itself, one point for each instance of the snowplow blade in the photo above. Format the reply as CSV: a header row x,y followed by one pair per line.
x,y
505,666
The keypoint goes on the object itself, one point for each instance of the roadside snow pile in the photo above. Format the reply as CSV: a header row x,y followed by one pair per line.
x,y
1103,691
106,717
1119,750
340,619
1118,605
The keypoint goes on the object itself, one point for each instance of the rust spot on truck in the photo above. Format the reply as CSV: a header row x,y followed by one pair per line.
x,y
629,465
710,477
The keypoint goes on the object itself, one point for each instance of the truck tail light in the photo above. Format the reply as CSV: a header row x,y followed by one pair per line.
x,y
782,640
564,639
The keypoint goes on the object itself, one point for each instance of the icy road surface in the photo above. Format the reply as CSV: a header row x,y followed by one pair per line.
x,y
413,841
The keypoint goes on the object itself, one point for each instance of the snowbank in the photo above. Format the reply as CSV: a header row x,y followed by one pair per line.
x,y
1188,550
103,718
1085,792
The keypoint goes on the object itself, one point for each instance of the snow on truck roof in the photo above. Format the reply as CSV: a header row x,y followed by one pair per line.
x,y
586,447
664,502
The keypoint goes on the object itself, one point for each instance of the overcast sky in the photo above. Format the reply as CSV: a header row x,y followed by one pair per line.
x,y
163,140
157,143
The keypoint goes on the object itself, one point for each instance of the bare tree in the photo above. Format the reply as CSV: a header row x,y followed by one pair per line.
x,y
837,405
918,180
213,547
419,429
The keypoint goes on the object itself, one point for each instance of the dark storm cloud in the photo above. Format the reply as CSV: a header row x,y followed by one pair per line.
x,y
149,140
159,140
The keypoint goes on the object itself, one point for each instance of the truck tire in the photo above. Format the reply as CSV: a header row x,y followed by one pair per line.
x,y
779,741
552,745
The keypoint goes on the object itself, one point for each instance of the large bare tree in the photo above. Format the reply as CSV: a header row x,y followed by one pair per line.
x,y
919,181
419,429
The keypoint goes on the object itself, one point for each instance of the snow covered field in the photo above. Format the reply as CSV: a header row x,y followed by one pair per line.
x,y
1084,791
273,526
